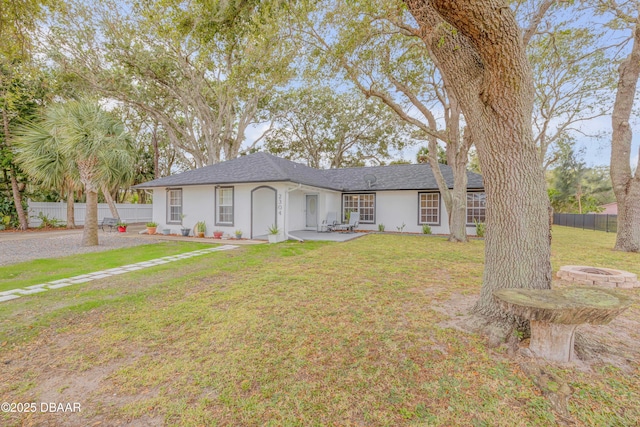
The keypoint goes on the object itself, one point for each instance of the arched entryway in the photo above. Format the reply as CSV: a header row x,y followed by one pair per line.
x,y
263,210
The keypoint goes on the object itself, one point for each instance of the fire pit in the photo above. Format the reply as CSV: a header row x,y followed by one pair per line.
x,y
598,276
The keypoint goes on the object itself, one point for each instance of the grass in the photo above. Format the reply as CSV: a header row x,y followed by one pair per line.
x,y
296,334
46,270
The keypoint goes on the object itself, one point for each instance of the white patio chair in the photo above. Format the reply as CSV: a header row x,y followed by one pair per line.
x,y
330,223
354,221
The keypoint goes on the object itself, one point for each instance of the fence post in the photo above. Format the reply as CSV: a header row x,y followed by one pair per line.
x,y
607,223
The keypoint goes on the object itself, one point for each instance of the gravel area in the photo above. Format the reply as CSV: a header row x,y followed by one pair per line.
x,y
14,251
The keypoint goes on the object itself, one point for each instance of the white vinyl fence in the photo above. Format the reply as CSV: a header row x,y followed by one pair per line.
x,y
130,213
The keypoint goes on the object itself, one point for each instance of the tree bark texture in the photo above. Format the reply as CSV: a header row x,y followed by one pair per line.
x,y
455,199
457,158
86,168
156,152
71,221
626,184
481,55
17,200
457,207
90,232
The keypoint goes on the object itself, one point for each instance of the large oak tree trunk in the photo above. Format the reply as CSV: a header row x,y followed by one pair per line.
x,y
517,251
458,208
457,158
481,54
455,199
626,184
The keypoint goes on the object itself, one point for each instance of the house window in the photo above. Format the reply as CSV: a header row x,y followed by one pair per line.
x,y
224,206
174,205
476,207
365,204
429,210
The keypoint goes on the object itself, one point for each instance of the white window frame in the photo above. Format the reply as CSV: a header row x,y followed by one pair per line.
x,y
174,217
476,204
422,208
358,206
219,204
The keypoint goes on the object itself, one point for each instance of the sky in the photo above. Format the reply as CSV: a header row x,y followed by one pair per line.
x,y
597,152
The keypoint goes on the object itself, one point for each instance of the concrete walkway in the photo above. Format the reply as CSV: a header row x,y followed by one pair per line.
x,y
17,293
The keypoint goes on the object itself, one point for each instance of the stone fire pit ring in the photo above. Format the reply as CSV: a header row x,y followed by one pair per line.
x,y
598,276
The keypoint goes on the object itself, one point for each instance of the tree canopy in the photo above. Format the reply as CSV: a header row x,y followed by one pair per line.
x,y
323,128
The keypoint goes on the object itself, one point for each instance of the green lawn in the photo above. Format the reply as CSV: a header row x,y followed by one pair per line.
x,y
46,270
300,334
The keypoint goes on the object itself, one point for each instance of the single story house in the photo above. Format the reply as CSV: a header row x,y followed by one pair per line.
x,y
253,192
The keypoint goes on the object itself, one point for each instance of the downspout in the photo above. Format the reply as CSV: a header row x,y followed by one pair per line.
x,y
286,203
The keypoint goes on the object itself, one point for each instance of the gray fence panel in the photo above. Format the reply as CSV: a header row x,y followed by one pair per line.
x,y
598,222
130,213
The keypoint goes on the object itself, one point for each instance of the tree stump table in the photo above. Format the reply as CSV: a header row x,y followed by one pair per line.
x,y
556,313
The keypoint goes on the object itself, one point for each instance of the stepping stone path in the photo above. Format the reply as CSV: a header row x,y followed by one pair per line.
x,y
84,278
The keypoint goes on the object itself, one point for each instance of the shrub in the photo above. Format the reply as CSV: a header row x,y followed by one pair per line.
x,y
8,210
426,229
49,222
480,228
274,229
4,222
380,227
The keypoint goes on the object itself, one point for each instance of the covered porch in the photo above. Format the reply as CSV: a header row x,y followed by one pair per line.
x,y
307,208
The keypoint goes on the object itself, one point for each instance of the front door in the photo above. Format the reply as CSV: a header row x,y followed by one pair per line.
x,y
312,210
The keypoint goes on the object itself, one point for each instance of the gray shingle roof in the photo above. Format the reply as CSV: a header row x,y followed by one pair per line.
x,y
396,177
264,167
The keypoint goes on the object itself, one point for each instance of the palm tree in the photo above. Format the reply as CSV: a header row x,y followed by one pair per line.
x,y
41,157
80,139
